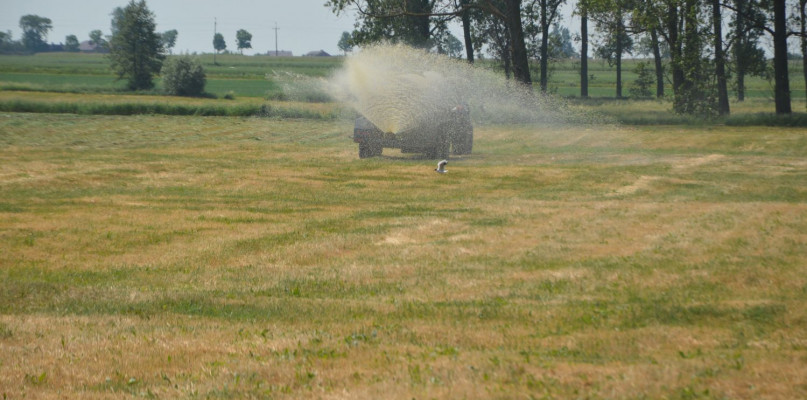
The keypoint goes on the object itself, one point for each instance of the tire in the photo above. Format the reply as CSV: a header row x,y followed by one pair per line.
x,y
441,149
464,142
365,151
462,134
376,150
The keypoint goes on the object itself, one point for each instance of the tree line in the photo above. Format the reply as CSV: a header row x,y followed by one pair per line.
x,y
136,51
699,47
35,31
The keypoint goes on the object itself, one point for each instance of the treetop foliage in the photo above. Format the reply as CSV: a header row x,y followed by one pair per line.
x,y
136,51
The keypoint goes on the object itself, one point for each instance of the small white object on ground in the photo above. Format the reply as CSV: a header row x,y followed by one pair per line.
x,y
441,167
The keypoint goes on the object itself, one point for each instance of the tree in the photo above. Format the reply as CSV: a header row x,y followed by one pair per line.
x,y
781,79
697,93
544,11
610,17
218,42
184,76
396,21
659,66
773,20
582,10
644,80
34,31
168,39
135,49
345,43
465,17
560,43
492,32
518,48
803,32
449,44
97,38
243,40
71,43
747,57
720,61
8,44
117,15
647,14
415,21
683,26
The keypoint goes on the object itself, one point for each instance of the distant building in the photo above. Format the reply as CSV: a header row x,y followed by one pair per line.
x,y
280,53
317,53
89,46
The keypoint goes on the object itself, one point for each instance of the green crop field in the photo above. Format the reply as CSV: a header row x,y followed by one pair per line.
x,y
259,76
256,256
255,76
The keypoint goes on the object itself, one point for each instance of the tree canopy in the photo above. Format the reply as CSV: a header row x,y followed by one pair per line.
x,y
34,32
243,40
345,42
218,42
169,39
135,49
71,43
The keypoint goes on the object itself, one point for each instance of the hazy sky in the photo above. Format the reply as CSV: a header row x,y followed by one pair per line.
x,y
304,25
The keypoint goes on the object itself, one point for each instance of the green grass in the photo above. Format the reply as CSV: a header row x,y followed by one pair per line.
x,y
120,104
240,257
45,82
247,75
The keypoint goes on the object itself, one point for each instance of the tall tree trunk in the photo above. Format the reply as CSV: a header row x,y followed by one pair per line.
x,y
740,49
782,90
508,61
521,66
620,29
466,32
420,23
803,15
673,25
720,67
544,47
584,52
658,62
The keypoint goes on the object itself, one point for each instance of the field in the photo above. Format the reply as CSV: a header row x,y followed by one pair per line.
x,y
174,256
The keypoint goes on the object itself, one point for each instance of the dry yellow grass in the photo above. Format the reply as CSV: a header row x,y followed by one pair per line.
x,y
184,257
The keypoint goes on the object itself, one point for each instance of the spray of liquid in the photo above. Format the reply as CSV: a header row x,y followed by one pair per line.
x,y
397,87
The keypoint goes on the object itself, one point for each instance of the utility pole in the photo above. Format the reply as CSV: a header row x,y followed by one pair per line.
x,y
276,52
214,40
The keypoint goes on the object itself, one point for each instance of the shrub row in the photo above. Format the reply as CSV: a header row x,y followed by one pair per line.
x,y
242,110
768,119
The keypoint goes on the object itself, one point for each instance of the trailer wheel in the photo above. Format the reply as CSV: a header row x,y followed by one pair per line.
x,y
365,151
464,141
441,148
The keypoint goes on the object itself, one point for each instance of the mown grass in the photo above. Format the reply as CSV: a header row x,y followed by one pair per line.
x,y
176,256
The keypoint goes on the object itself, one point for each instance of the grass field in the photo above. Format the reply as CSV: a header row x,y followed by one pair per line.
x,y
243,76
261,76
225,257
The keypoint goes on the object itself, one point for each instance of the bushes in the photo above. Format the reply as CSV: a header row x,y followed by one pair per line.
x,y
643,83
184,76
